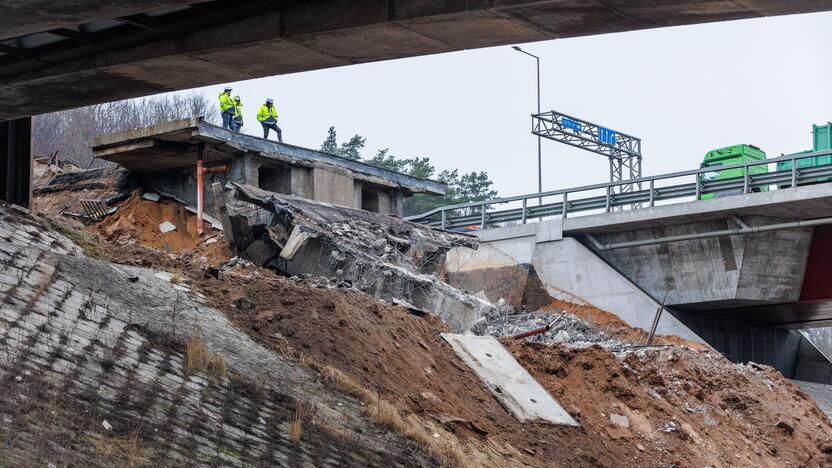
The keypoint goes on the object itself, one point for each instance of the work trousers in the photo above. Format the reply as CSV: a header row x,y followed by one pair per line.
x,y
236,125
273,126
226,118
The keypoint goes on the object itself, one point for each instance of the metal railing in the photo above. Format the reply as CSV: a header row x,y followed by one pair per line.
x,y
487,213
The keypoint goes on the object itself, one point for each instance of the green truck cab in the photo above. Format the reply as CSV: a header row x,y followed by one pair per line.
x,y
821,140
726,156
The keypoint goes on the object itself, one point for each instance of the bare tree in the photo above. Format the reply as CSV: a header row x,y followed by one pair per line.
x,y
70,131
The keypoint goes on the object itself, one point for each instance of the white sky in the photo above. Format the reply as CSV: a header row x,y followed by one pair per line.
x,y
682,90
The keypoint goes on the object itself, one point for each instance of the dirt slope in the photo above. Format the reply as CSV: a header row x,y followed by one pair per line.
x,y
719,409
683,407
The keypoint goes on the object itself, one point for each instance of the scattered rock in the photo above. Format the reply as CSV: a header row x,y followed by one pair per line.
x,y
670,426
243,304
107,425
561,337
709,420
786,427
620,420
151,196
167,226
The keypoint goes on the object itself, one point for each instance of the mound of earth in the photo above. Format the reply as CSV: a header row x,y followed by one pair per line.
x,y
683,406
139,221
673,406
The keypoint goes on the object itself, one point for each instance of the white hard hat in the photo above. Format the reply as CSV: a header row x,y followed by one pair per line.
x,y
227,88
270,100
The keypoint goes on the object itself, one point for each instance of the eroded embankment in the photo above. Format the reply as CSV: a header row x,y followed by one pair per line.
x,y
101,367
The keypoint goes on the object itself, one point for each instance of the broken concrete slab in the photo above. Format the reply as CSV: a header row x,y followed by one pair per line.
x,y
152,196
507,380
381,255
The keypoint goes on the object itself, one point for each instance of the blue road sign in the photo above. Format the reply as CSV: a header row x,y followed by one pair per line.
x,y
571,124
606,136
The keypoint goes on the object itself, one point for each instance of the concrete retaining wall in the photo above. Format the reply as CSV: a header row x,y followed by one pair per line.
x,y
516,263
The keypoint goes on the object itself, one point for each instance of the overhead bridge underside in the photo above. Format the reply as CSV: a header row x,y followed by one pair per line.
x,y
57,54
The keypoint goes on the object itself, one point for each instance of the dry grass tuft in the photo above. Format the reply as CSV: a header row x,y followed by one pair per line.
x,y
345,383
216,368
384,413
134,455
198,354
43,285
296,427
199,359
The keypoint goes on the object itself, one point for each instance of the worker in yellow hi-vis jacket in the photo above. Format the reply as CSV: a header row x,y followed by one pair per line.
x,y
226,107
267,115
237,116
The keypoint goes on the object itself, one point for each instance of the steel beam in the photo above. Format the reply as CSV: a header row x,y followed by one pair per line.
x,y
16,161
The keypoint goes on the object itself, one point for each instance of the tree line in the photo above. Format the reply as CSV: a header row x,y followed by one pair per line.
x,y
69,132
462,187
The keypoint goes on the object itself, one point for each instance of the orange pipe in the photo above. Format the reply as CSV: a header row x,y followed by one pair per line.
x,y
199,183
529,333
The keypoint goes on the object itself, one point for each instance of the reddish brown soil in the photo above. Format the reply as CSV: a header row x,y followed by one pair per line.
x,y
402,357
137,221
724,414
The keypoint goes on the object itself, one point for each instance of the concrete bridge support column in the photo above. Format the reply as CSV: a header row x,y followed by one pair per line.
x,y
16,161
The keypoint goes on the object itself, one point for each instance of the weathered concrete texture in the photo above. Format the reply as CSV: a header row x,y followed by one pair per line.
x,y
717,272
821,393
741,342
507,380
380,255
108,340
164,156
250,39
812,364
564,269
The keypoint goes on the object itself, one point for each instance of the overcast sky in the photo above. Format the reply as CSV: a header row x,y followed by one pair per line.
x,y
682,90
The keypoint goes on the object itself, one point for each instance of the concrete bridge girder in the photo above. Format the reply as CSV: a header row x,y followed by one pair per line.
x,y
230,41
717,272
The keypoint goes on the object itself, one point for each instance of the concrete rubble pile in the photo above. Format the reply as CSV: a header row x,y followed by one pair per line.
x,y
381,255
566,329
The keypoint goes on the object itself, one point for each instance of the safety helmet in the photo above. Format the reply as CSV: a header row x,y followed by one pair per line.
x,y
270,100
227,88
236,98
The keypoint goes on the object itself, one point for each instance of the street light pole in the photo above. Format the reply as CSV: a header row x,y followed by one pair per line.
x,y
539,158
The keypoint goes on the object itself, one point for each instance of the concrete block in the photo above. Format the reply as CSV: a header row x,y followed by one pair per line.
x,y
507,380
296,240
549,230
